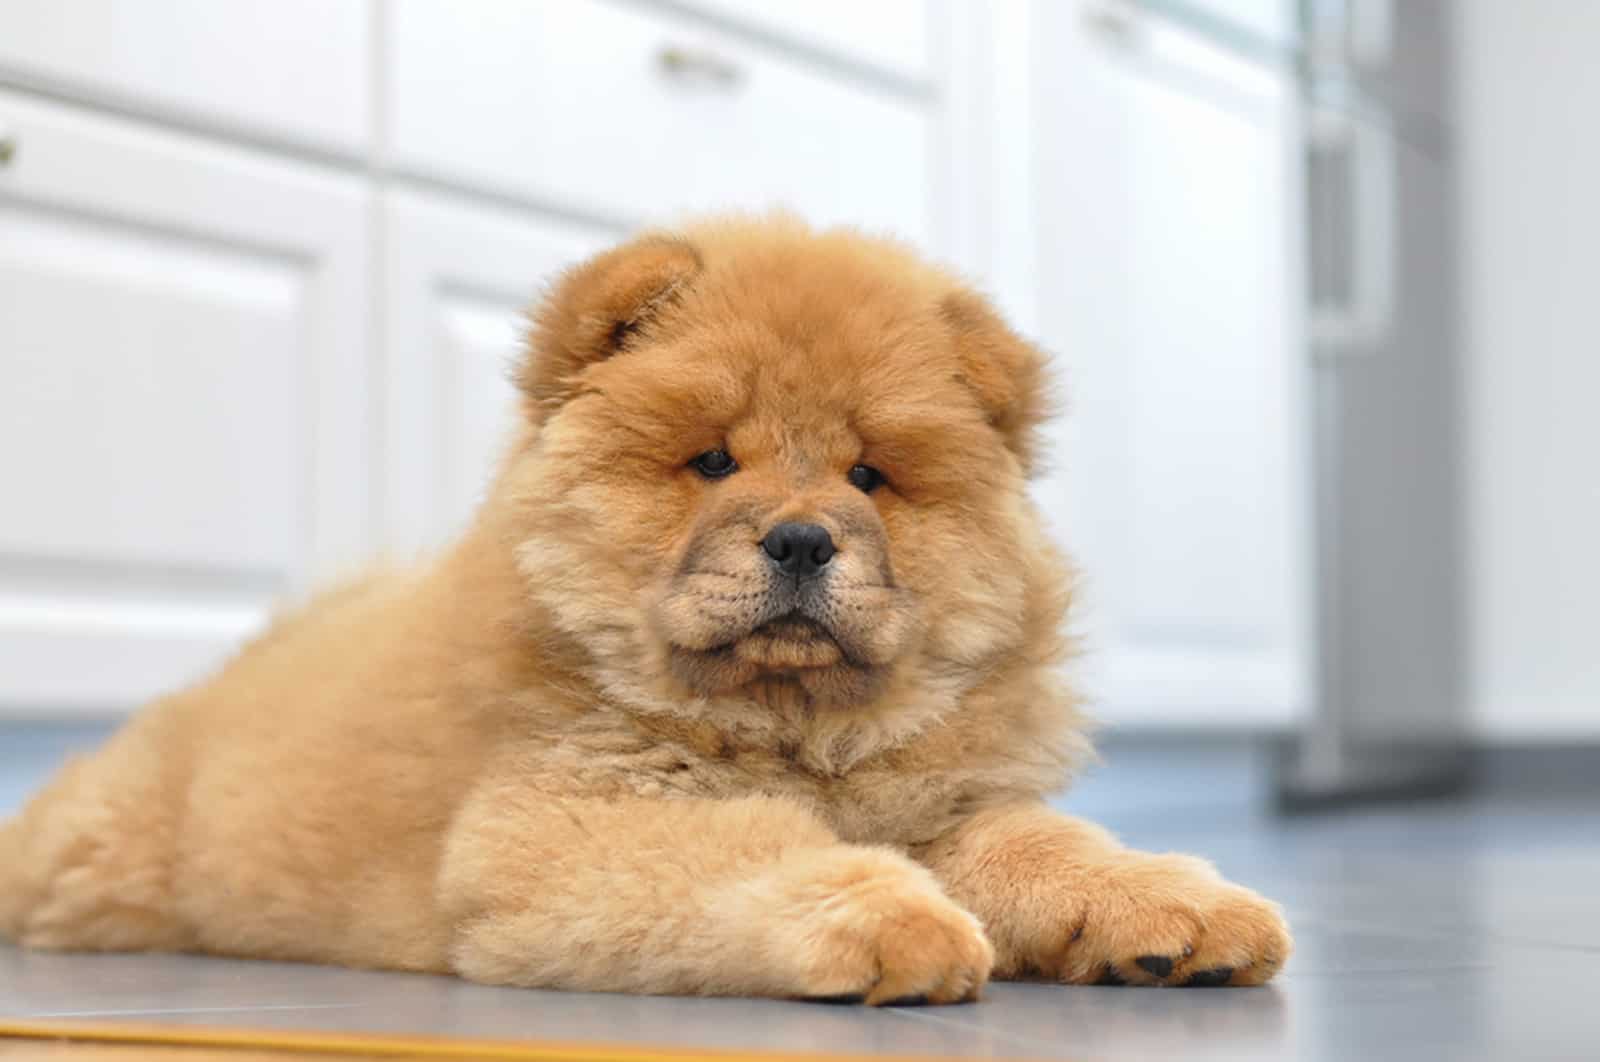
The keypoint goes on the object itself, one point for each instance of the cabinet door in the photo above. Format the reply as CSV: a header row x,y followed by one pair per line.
x,y
182,427
1172,292
459,281
289,69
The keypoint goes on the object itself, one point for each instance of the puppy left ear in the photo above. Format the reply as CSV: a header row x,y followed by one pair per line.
x,y
1006,372
596,309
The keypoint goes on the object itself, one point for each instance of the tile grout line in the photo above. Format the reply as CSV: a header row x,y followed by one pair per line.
x,y
1016,1039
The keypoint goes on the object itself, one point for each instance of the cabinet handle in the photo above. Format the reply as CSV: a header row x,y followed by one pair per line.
x,y
8,147
699,63
1113,21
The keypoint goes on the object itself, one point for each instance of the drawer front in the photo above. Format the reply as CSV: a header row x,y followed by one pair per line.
x,y
891,35
293,69
633,116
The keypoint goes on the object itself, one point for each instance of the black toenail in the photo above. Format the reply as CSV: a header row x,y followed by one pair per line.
x,y
1111,977
1155,965
843,997
1211,978
908,1001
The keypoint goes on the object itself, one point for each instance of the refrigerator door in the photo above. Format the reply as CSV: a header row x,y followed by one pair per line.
x,y
1389,708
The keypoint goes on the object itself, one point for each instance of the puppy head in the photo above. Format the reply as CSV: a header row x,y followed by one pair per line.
x,y
765,456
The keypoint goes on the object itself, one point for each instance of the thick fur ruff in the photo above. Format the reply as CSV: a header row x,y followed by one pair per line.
x,y
604,742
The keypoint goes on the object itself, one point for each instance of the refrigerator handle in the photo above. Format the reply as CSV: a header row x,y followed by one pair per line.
x,y
1350,169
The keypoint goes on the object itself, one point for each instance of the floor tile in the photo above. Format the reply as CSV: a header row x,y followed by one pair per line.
x,y
1463,930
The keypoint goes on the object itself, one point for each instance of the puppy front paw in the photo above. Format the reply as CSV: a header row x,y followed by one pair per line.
x,y
1162,920
861,925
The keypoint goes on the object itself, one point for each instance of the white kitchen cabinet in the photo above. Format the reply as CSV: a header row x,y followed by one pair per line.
x,y
1171,291
183,425
293,70
263,268
621,112
458,282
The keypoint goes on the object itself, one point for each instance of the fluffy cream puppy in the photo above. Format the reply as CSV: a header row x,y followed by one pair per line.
x,y
744,680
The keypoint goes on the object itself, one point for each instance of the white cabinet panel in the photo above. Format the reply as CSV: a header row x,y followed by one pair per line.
x,y
579,103
458,283
1173,297
476,405
290,68
98,378
890,34
182,424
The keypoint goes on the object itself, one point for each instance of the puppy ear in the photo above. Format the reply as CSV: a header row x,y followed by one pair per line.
x,y
596,309
1006,372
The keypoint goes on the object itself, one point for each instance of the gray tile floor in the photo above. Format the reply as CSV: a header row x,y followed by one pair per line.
x,y
1467,930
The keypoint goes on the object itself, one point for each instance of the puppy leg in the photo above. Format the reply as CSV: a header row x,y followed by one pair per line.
x,y
87,865
742,897
1062,900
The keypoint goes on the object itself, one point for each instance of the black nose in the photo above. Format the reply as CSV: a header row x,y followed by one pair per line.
x,y
799,549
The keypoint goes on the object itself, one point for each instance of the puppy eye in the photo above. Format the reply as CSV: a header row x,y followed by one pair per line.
x,y
714,464
865,478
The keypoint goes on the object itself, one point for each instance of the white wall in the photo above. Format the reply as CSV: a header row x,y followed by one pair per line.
x,y
1529,129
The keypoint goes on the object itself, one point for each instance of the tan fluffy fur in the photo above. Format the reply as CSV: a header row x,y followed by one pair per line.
x,y
583,749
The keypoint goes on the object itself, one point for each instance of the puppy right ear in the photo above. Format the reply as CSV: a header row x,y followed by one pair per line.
x,y
596,309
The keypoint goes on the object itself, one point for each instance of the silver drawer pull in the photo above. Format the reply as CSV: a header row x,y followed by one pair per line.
x,y
1113,22
700,64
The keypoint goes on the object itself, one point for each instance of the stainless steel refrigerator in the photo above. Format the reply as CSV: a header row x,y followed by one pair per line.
x,y
1388,715
1373,79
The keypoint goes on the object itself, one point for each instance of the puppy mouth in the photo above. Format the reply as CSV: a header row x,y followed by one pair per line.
x,y
792,641
827,649
831,638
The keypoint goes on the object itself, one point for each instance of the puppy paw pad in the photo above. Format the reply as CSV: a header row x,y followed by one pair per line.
x,y
919,1000
1155,965
839,999
1215,977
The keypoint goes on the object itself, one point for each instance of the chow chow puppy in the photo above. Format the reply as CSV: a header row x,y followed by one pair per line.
x,y
743,681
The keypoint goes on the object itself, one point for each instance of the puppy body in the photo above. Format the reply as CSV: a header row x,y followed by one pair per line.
x,y
601,743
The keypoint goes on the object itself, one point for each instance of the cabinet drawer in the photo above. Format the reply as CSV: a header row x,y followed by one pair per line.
x,y
295,69
891,35
634,116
